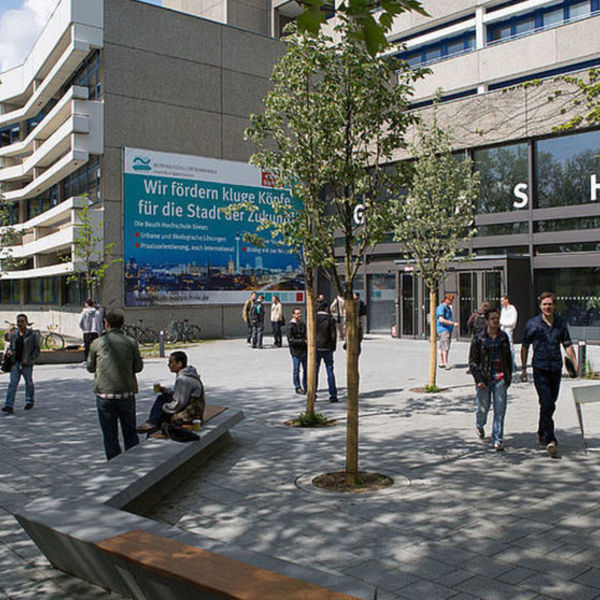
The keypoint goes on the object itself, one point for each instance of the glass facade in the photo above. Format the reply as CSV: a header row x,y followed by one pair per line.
x,y
381,303
578,298
564,167
501,169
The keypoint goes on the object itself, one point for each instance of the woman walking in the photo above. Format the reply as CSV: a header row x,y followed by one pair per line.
x,y
277,320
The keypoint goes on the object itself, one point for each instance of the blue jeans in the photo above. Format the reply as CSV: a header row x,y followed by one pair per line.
x,y
497,389
157,416
110,412
276,327
547,385
327,357
17,370
257,335
299,360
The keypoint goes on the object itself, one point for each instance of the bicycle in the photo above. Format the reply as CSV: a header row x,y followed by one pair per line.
x,y
182,331
53,340
142,335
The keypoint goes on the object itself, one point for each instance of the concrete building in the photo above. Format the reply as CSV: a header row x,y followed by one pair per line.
x,y
112,74
538,217
105,75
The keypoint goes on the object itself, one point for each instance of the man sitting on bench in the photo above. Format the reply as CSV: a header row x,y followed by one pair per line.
x,y
182,404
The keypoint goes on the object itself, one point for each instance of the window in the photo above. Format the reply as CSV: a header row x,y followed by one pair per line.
x,y
554,17
579,9
503,229
9,291
88,75
564,167
74,292
41,290
524,25
566,224
85,180
9,134
578,298
500,170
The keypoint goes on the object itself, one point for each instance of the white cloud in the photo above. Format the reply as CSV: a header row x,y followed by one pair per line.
x,y
19,28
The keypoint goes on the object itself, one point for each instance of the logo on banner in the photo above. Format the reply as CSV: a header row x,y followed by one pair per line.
x,y
141,163
268,179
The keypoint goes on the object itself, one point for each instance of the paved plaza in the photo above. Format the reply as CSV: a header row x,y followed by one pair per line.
x,y
461,521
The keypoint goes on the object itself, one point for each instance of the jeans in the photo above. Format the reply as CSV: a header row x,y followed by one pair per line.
x,y
547,386
297,361
276,327
157,416
17,370
110,412
257,335
249,337
497,389
327,357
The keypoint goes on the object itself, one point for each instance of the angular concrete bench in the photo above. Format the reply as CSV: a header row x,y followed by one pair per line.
x,y
91,531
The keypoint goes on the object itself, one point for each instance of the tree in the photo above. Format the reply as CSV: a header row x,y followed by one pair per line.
x,y
90,257
436,215
332,136
294,136
370,19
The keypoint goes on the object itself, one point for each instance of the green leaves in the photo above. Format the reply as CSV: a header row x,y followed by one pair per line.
x,y
359,14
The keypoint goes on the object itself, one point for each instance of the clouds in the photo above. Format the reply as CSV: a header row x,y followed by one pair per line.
x,y
19,28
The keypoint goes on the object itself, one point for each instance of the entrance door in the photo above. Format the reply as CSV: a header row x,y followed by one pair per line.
x,y
467,299
408,305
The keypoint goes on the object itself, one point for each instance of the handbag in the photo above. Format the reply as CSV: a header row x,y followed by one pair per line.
x,y
7,363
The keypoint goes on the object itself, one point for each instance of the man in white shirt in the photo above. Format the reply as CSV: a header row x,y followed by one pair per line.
x,y
508,322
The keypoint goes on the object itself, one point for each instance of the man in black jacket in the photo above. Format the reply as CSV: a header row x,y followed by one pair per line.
x,y
297,344
326,342
490,362
257,320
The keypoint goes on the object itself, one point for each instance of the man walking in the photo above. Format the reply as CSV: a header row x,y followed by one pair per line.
x,y
246,315
298,349
508,322
257,320
490,364
114,359
88,323
546,333
326,342
445,326
24,348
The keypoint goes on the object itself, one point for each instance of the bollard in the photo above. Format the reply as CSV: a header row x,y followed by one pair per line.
x,y
161,343
581,358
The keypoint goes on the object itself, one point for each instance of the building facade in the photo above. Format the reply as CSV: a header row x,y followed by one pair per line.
x,y
538,221
100,79
106,75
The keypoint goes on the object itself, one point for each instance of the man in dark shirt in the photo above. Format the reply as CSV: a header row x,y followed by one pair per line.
x,y
546,333
490,363
298,349
326,343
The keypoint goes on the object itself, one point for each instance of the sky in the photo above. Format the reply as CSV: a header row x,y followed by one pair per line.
x,y
21,22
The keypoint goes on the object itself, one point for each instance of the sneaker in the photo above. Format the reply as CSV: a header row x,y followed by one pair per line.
x,y
28,406
552,450
147,427
299,391
8,410
480,432
333,399
498,446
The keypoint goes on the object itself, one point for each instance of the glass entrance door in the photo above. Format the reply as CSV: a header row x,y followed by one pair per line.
x,y
467,299
408,305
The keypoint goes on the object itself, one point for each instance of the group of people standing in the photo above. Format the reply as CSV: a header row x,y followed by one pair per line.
x,y
253,314
492,361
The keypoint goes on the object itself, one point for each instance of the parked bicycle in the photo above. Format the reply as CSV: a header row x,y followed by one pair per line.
x,y
183,331
53,340
142,335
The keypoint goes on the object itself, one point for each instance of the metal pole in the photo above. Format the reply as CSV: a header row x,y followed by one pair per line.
x,y
581,358
161,343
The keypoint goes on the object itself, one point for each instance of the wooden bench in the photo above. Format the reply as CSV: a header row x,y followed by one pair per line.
x,y
207,573
585,394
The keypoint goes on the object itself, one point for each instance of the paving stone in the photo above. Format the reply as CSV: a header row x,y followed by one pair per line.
x,y
490,589
560,588
591,577
515,575
425,590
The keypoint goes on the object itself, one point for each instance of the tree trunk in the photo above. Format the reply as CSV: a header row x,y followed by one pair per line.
x,y
311,342
352,345
432,336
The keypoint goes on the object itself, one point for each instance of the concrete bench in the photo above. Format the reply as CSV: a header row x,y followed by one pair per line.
x,y
584,395
94,530
191,569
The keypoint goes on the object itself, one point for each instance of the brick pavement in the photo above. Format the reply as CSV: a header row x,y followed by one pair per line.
x,y
461,521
